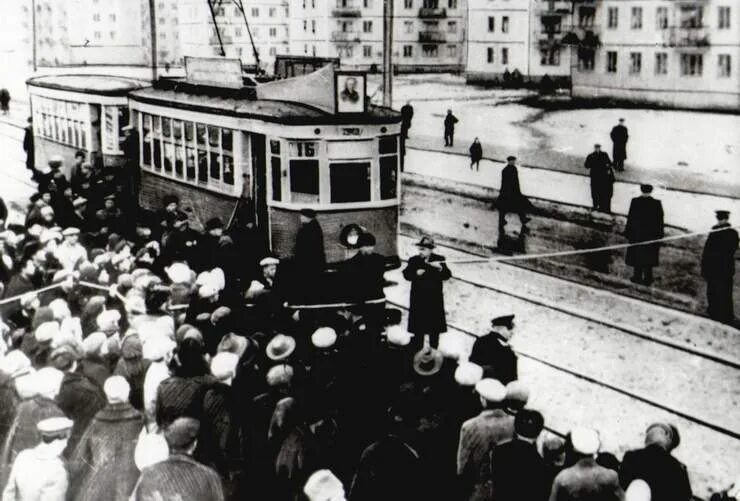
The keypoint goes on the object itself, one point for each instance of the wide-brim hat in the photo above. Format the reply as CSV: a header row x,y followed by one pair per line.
x,y
280,347
428,362
426,243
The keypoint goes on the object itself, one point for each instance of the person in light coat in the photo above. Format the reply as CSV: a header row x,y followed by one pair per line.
x,y
71,251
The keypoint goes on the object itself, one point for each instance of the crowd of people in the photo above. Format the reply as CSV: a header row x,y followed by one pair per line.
x,y
144,359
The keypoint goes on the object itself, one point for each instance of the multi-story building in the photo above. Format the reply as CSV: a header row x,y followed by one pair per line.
x,y
52,32
267,24
678,53
428,35
525,36
167,14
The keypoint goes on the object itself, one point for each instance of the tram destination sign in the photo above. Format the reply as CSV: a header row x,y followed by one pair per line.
x,y
214,71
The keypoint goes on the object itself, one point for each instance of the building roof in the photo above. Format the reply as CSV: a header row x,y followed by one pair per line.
x,y
104,85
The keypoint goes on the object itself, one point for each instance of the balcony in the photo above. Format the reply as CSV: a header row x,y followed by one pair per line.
x,y
555,8
581,36
686,37
346,11
432,13
432,37
345,36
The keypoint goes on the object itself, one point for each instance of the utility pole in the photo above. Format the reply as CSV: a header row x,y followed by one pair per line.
x,y
388,53
33,35
153,35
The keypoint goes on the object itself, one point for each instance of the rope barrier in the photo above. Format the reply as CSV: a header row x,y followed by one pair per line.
x,y
332,305
92,285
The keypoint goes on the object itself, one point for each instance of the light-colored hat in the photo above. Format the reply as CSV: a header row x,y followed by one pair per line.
x,y
269,260
151,449
46,331
47,382
116,389
60,308
279,375
93,344
585,441
28,298
468,374
48,235
79,201
223,365
14,363
108,320
452,347
427,361
324,337
323,485
491,390
157,347
55,427
397,335
638,490
179,273
208,289
218,278
44,211
280,347
70,231
517,394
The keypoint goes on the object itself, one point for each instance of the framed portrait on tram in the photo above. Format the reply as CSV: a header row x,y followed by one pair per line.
x,y
350,91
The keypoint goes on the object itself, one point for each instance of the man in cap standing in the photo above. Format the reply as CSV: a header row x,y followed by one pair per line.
x,y
644,223
718,268
602,179
179,476
40,473
666,475
426,272
478,436
619,136
493,353
308,253
586,480
71,251
510,198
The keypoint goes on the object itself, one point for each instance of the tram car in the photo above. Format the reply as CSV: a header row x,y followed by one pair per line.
x,y
85,113
225,145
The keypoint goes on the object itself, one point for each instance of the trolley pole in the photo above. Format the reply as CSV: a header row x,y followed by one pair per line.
x,y
388,53
153,36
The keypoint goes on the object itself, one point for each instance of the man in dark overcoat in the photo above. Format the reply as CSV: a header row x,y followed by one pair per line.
x,y
602,179
449,123
666,475
28,147
644,223
426,272
309,259
407,114
510,198
718,268
619,137
492,351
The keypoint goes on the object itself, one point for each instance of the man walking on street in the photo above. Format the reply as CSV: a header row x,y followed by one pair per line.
x,y
450,121
602,179
510,198
28,148
407,114
619,137
644,223
718,268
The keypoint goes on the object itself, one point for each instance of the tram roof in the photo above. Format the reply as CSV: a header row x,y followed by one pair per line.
x,y
104,85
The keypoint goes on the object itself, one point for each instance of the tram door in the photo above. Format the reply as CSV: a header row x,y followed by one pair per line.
x,y
259,171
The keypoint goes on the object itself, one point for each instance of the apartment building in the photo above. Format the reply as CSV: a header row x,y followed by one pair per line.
x,y
522,35
52,32
678,53
167,15
428,35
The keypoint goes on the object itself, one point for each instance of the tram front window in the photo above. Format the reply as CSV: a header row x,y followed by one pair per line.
x,y
304,181
350,182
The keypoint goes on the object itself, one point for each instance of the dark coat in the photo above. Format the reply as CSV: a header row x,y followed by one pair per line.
x,y
619,137
476,152
407,114
600,169
718,257
450,121
666,475
518,472
364,276
80,399
103,464
96,369
496,357
389,469
426,304
28,147
218,440
178,477
510,198
8,404
309,248
181,397
295,461
586,481
134,371
644,222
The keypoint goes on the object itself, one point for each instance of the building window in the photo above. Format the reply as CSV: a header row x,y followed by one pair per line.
x,y
635,63
305,25
408,50
504,56
272,32
661,18
691,16
429,50
367,26
661,63
550,57
505,24
452,26
255,12
367,51
452,4
96,35
96,17
586,59
723,16
452,51
313,25
612,18
692,65
273,51
408,26
112,18
725,68
491,23
408,4
238,32
636,19
586,17
367,4
112,35
611,62
489,55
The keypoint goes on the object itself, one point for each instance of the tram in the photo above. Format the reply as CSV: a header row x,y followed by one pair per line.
x,y
222,142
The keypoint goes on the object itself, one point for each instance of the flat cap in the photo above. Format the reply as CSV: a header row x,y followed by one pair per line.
x,y
182,433
269,260
55,427
517,393
323,485
503,321
468,374
46,332
324,337
528,423
223,365
585,441
279,375
70,231
79,201
491,390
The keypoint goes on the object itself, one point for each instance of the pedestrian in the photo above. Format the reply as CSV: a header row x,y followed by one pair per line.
x,y
407,114
476,153
718,268
179,476
602,179
665,475
619,135
492,351
4,100
510,198
40,473
426,271
450,121
586,480
644,223
478,436
308,253
29,148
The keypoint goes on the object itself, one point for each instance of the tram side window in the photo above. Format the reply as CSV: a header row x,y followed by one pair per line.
x,y
350,182
177,141
189,151
277,178
146,136
388,150
304,172
169,149
227,150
